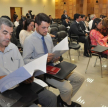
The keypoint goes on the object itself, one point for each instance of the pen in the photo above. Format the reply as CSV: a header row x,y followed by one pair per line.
x,y
11,58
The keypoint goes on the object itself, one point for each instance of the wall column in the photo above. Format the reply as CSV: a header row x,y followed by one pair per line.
x,y
85,7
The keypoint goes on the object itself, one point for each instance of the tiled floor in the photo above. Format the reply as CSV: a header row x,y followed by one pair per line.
x,y
94,91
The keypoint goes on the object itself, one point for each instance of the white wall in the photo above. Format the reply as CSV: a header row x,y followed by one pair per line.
x,y
37,6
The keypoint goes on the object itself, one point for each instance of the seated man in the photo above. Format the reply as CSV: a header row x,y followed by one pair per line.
x,y
76,29
66,22
40,43
11,60
83,25
92,17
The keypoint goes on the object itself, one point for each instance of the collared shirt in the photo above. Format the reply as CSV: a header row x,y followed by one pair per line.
x,y
22,36
90,24
33,46
10,60
16,23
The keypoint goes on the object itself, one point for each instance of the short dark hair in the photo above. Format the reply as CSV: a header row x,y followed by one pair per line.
x,y
4,16
76,16
96,21
42,17
82,16
27,22
49,15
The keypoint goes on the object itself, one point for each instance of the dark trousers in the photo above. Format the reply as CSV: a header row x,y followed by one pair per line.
x,y
84,40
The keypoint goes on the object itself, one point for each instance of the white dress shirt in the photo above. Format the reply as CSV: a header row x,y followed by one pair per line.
x,y
16,23
90,24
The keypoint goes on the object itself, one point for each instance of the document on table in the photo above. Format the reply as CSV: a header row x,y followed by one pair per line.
x,y
61,48
24,73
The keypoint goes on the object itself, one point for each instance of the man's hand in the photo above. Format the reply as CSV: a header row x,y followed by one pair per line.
x,y
30,80
2,76
52,35
56,59
50,57
86,34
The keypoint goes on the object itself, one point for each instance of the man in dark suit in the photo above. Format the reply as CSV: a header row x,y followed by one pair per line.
x,y
64,16
51,19
66,22
76,29
83,25
14,16
29,15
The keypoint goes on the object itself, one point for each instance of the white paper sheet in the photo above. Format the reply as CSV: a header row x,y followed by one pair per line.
x,y
37,64
61,48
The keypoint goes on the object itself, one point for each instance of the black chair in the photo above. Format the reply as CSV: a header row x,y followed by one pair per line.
x,y
73,37
61,28
58,21
72,45
54,31
54,25
96,51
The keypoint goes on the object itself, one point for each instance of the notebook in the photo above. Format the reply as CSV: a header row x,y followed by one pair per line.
x,y
52,70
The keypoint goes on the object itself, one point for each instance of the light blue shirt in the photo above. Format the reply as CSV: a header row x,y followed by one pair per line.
x,y
33,47
10,60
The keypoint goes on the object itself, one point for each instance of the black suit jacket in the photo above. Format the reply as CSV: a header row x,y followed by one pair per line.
x,y
76,29
63,17
66,24
82,26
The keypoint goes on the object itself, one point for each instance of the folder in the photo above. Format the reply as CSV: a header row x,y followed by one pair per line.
x,y
24,73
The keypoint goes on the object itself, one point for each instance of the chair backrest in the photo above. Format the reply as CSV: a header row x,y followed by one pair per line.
x,y
61,28
61,35
54,25
54,31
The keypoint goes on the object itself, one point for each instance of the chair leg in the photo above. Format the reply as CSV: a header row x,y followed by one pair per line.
x,y
101,65
95,62
69,55
87,65
78,54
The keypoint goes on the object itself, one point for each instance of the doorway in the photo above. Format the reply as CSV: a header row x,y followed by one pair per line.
x,y
18,11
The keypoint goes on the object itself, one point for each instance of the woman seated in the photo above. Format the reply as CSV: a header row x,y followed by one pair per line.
x,y
87,23
28,30
95,35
